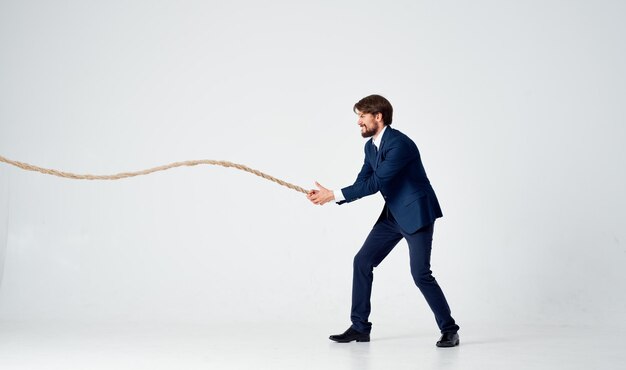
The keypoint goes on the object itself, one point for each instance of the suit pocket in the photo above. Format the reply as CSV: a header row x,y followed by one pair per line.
x,y
413,197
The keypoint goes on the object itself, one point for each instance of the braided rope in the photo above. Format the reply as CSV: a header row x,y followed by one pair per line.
x,y
123,175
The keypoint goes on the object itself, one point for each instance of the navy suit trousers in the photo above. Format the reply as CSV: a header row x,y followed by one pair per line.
x,y
382,239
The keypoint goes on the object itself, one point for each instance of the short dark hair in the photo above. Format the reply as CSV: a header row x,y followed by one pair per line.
x,y
375,104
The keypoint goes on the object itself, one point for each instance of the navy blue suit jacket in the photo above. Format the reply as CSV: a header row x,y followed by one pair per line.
x,y
396,171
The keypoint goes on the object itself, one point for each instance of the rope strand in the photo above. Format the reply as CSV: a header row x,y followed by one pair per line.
x,y
123,175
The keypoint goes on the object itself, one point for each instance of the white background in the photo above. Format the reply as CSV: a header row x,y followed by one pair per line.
x,y
517,108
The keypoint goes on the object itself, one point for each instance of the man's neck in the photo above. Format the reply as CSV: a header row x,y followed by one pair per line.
x,y
380,132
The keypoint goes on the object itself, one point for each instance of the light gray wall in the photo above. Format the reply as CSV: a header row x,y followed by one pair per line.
x,y
516,106
4,217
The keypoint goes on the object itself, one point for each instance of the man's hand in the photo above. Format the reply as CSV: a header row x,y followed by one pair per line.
x,y
320,196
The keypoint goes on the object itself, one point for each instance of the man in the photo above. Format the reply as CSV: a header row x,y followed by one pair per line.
x,y
392,166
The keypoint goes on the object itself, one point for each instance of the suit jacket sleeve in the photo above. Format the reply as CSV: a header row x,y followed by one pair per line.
x,y
364,174
396,155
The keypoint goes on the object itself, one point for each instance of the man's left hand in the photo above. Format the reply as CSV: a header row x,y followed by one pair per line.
x,y
320,196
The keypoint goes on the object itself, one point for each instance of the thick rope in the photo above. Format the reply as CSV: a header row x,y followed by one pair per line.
x,y
123,175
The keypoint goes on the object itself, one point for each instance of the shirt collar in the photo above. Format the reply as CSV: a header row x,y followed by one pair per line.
x,y
376,141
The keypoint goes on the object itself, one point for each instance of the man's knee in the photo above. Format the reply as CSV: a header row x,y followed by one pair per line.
x,y
422,277
363,262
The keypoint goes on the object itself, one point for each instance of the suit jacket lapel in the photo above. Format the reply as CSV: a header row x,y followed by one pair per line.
x,y
373,155
382,145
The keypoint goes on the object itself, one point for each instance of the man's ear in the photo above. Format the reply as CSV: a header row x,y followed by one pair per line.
x,y
379,117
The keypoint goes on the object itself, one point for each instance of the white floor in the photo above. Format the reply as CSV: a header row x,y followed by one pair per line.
x,y
264,346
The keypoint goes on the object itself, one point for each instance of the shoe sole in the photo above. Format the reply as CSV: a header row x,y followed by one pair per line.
x,y
449,346
348,341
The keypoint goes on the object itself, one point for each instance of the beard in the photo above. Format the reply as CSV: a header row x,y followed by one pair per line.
x,y
368,132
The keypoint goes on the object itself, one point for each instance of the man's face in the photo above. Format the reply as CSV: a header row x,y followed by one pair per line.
x,y
370,124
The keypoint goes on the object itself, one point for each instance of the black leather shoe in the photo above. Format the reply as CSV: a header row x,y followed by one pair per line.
x,y
448,340
350,335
